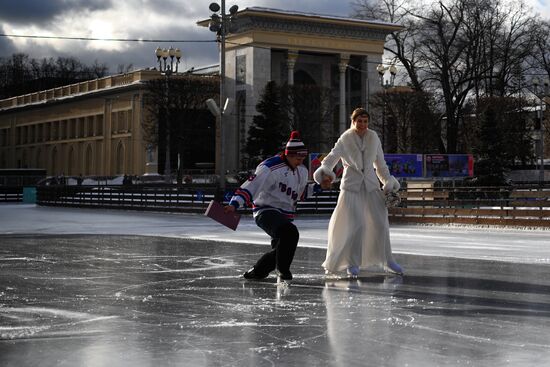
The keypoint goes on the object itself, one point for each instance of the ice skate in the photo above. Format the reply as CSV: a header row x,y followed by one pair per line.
x,y
353,271
251,274
332,275
284,279
393,267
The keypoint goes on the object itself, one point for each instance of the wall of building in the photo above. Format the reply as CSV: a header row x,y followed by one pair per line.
x,y
81,132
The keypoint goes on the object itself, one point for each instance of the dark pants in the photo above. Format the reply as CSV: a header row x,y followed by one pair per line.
x,y
284,239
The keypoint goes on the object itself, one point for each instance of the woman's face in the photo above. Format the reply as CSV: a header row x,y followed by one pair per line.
x,y
361,124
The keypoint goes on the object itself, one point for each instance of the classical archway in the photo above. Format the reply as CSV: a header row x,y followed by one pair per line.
x,y
39,160
120,167
71,162
53,161
89,161
302,77
24,159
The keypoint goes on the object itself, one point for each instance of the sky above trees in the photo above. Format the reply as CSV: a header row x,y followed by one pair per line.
x,y
134,19
145,19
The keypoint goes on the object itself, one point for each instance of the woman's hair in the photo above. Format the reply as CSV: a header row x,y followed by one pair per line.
x,y
359,112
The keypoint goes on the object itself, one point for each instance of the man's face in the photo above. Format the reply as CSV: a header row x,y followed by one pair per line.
x,y
295,160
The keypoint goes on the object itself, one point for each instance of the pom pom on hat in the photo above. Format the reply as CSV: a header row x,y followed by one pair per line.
x,y
295,146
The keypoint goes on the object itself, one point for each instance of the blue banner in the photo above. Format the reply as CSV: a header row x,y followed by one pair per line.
x,y
449,165
405,165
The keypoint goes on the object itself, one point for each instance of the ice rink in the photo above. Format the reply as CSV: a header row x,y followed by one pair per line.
x,y
109,288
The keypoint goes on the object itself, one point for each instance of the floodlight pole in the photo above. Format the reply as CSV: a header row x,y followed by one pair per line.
x,y
222,94
221,24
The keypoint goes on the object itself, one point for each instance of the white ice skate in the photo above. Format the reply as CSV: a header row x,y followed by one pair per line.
x,y
393,267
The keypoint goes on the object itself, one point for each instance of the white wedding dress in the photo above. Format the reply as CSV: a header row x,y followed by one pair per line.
x,y
358,232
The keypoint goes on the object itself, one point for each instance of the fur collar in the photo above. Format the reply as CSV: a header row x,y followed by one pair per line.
x,y
354,156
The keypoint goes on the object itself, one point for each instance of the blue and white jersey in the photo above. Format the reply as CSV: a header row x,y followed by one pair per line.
x,y
273,186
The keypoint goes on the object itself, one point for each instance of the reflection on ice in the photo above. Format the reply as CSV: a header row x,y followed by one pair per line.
x,y
133,301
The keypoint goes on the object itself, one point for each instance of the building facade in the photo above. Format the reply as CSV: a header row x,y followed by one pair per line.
x,y
95,127
88,128
287,47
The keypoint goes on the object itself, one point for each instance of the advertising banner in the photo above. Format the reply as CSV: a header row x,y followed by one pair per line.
x,y
405,165
449,165
413,165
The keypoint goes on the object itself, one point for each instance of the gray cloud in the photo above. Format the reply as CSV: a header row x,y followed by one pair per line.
x,y
43,11
183,16
6,45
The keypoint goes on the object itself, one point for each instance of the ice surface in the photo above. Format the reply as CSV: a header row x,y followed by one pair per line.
x,y
109,288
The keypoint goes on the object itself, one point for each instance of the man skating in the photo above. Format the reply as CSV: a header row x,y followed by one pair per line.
x,y
273,192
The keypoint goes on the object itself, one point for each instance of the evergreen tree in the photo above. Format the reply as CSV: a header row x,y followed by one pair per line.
x,y
269,130
492,153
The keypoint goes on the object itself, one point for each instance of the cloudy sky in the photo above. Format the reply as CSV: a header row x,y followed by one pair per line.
x,y
134,19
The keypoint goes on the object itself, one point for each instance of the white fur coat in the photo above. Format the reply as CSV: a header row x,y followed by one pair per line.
x,y
366,166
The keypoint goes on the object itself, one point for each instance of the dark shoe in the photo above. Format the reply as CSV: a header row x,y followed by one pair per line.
x,y
353,271
252,274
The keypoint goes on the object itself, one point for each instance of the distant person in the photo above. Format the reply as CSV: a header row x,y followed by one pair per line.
x,y
273,192
127,180
358,232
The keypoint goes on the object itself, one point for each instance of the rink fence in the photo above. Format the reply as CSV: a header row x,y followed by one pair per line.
x,y
527,205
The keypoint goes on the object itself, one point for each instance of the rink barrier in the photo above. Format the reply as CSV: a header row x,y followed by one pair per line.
x,y
518,206
526,206
10,194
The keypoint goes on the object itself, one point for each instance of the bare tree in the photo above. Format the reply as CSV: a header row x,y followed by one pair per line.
x,y
20,74
507,41
124,68
178,104
456,50
308,107
402,46
408,121
541,53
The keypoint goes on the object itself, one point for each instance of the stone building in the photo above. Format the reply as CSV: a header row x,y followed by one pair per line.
x,y
287,47
94,127
88,128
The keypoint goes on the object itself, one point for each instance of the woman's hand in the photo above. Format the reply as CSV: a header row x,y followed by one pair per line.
x,y
326,184
392,185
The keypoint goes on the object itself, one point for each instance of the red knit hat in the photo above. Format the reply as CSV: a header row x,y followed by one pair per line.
x,y
295,146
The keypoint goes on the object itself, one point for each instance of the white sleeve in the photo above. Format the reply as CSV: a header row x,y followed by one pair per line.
x,y
327,165
389,182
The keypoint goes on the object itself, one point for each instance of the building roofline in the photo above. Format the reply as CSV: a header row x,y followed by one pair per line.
x,y
313,17
90,88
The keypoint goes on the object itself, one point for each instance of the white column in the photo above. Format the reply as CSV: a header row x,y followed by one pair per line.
x,y
292,56
342,66
291,63
365,87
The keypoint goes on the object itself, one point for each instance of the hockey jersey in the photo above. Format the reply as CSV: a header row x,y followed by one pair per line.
x,y
274,186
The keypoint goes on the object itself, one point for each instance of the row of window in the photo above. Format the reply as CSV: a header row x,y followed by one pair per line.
x,y
75,159
76,128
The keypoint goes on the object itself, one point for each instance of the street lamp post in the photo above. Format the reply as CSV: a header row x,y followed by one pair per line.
x,y
381,69
544,92
221,24
166,68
